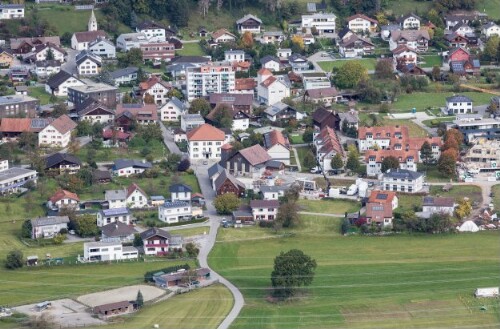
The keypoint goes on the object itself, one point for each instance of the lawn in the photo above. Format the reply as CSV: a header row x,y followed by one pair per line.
x,y
40,94
157,150
296,139
490,7
431,60
203,308
414,129
403,7
421,100
402,281
368,63
496,200
329,206
301,151
191,49
434,123
407,201
432,174
188,232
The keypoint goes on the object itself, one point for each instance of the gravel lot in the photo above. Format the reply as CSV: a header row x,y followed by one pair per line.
x,y
121,294
65,313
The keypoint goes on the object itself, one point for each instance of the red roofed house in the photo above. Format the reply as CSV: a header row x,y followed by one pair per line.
x,y
143,114
11,128
117,135
157,88
81,40
222,36
361,23
403,55
458,54
57,133
245,86
379,207
204,142
250,161
277,146
382,136
63,199
327,145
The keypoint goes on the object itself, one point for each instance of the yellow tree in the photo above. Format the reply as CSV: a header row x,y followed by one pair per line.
x,y
298,41
463,209
247,40
149,99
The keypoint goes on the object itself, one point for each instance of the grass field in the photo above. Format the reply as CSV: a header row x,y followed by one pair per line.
x,y
429,123
419,281
329,206
296,139
414,129
432,174
368,63
490,7
39,93
186,232
431,60
157,149
496,199
191,49
203,308
421,101
458,192
301,151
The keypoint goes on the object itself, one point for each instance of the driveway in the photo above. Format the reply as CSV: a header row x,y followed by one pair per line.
x,y
168,139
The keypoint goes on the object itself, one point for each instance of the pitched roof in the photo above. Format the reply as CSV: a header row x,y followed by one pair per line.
x,y
351,41
322,92
16,43
275,137
231,98
438,201
458,98
214,169
245,84
150,25
403,174
410,35
89,105
125,163
361,16
117,229
378,211
138,111
264,204
111,306
330,142
402,155
48,63
382,196
134,187
15,125
57,158
63,194
321,114
145,85
217,34
225,175
59,78
110,195
255,154
123,72
177,188
383,132
402,48
154,231
51,220
63,124
89,36
206,132
247,17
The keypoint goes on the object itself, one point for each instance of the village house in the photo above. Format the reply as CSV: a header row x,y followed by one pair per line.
x,y
180,192
6,58
355,46
47,68
204,142
387,197
156,242
157,52
13,179
234,56
81,40
250,161
327,144
274,37
19,74
409,22
174,212
326,96
94,112
154,31
18,105
26,45
458,104
273,192
238,102
117,231
48,227
130,197
57,133
462,29
245,86
125,76
456,40
281,111
41,52
417,40
128,114
127,41
441,205
325,118
241,120
361,23
402,180
62,163
63,199
11,11
12,128
271,63
108,251
490,29
172,110
59,83
349,119
127,167
283,53
107,216
323,22
271,89
227,183
264,209
88,64
156,88
191,121
403,55
277,146
380,206
249,23
298,63
103,48
222,36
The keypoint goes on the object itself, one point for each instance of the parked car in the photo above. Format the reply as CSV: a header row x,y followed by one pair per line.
x,y
371,184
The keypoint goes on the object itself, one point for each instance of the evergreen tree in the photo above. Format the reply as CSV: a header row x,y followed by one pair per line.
x,y
139,301
426,153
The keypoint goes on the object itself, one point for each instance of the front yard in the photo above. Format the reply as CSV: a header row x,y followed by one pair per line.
x,y
368,63
329,206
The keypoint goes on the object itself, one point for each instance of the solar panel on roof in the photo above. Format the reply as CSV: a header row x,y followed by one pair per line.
x,y
38,123
115,211
382,196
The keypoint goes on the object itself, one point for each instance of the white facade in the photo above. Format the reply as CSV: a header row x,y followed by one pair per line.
x,y
101,118
204,150
374,168
205,80
127,41
240,123
88,67
125,172
324,23
360,24
63,203
50,136
156,34
103,48
42,54
174,212
48,230
410,23
284,53
170,112
62,89
108,216
459,107
407,185
272,66
159,93
11,179
11,11
270,93
45,71
280,153
234,56
369,142
438,209
490,30
107,251
137,199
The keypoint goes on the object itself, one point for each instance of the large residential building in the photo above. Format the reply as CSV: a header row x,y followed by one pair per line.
x,y
380,137
458,104
154,31
204,142
57,133
127,41
327,144
107,251
18,105
324,23
101,92
483,155
417,40
473,127
400,180
12,179
207,79
157,51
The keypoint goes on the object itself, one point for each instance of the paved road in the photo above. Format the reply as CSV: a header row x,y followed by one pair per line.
x,y
168,139
70,64
297,161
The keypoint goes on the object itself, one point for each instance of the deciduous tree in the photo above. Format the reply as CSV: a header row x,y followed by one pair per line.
x,y
447,163
288,214
464,209
309,160
389,162
200,105
337,162
350,74
14,260
225,204
292,270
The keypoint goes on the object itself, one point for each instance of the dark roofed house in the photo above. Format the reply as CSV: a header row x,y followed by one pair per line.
x,y
180,192
325,118
227,183
117,231
127,167
156,241
264,209
58,83
113,309
101,176
60,163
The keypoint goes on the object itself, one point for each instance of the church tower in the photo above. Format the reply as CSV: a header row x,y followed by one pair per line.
x,y
92,22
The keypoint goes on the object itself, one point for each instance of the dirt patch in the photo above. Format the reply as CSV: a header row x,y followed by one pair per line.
x,y
373,314
120,294
64,312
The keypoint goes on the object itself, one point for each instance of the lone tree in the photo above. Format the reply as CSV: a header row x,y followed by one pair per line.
x,y
225,204
14,260
390,162
447,164
337,162
292,270
309,161
426,153
352,160
139,301
288,214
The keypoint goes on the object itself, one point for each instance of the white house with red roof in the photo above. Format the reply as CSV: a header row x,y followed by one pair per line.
x,y
361,23
57,133
270,89
131,197
327,145
63,199
380,206
404,55
205,141
277,146
157,88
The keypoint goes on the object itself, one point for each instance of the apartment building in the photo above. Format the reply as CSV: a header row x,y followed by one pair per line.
x,y
210,78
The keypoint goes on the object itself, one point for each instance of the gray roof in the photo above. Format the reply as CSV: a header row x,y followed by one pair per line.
x,y
101,244
117,229
125,163
57,158
214,169
351,117
115,212
269,58
247,17
277,108
174,204
48,63
403,174
155,231
193,118
15,172
458,98
225,175
59,78
51,220
124,72
274,188
110,195
177,188
178,103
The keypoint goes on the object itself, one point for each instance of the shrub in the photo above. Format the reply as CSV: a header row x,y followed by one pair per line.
x,y
14,260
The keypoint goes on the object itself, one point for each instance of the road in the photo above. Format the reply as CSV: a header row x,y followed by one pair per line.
x,y
70,64
208,243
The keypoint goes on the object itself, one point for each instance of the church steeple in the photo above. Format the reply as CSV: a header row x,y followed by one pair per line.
x,y
92,22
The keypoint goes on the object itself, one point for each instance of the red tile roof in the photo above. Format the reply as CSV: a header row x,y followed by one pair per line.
x,y
276,137
63,194
264,71
119,135
245,84
145,85
221,32
138,111
255,154
378,211
206,132
331,141
134,187
63,124
15,125
382,197
383,131
269,81
402,155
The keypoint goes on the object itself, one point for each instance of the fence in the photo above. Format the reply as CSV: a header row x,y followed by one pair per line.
x,y
84,7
